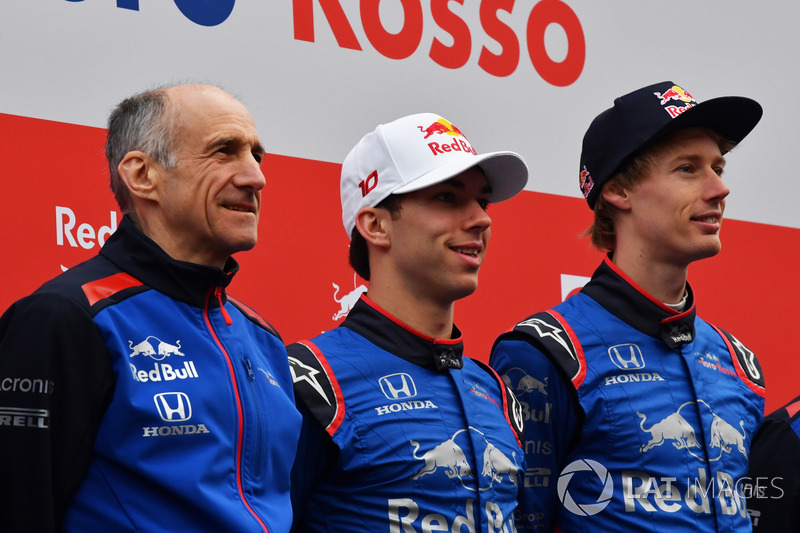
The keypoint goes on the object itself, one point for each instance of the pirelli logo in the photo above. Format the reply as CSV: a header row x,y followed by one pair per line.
x,y
25,418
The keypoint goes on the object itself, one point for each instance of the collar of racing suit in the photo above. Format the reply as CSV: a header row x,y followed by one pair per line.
x,y
623,298
138,255
384,330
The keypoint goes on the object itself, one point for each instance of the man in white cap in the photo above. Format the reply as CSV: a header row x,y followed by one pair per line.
x,y
402,432
641,414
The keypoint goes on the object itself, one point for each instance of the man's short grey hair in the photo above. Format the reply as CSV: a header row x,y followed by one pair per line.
x,y
141,122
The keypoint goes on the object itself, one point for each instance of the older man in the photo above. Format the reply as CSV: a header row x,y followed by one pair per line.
x,y
152,409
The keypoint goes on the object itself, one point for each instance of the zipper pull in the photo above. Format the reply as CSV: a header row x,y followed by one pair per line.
x,y
250,374
225,315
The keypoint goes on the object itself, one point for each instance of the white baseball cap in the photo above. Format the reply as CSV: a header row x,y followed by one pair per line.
x,y
415,152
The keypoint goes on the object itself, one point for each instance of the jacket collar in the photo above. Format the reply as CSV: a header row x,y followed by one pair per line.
x,y
138,255
623,298
384,330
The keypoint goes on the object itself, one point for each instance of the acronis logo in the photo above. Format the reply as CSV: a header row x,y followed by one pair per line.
x,y
202,13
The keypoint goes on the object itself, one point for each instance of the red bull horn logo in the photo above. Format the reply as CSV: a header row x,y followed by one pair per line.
x,y
722,437
449,458
441,126
676,93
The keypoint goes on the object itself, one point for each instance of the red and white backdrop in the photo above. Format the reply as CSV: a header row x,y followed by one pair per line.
x,y
523,75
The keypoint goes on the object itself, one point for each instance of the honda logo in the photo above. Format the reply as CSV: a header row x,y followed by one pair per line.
x,y
626,356
398,386
173,406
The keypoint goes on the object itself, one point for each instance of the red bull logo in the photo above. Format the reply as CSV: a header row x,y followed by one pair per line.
x,y
449,458
722,436
441,127
158,352
586,182
675,93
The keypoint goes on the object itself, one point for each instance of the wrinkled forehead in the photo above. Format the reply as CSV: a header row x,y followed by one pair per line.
x,y
208,111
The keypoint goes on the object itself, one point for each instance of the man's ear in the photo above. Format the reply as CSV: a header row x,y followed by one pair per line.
x,y
141,175
374,225
617,195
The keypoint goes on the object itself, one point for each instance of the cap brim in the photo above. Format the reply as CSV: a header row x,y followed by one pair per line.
x,y
733,117
506,172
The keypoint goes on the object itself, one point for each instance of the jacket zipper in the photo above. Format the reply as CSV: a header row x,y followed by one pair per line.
x,y
259,413
240,412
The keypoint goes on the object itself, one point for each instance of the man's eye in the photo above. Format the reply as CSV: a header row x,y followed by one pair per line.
x,y
446,197
484,204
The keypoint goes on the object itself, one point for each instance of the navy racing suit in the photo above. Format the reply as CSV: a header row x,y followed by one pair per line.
x,y
637,417
773,499
412,436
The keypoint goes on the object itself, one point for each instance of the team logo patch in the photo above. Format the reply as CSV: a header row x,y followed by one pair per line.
x,y
301,372
627,356
158,352
676,430
678,94
586,182
521,383
398,386
448,458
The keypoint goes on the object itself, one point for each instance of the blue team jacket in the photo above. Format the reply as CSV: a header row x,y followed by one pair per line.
x,y
170,407
638,418
421,438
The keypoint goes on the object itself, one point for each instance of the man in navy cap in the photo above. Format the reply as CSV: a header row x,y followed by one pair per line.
x,y
640,414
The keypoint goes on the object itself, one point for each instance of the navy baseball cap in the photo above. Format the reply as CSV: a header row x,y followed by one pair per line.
x,y
645,115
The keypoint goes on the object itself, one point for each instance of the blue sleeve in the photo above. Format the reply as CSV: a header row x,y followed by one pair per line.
x,y
551,423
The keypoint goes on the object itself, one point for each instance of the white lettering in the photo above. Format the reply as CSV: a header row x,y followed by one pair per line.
x,y
403,514
165,372
166,431
633,495
729,499
63,228
106,231
396,521
405,406
85,235
35,386
633,378
699,488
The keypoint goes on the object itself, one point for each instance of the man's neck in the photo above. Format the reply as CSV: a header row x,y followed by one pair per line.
x,y
664,282
421,314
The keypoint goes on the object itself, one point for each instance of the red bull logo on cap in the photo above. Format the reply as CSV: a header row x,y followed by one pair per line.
x,y
443,127
586,182
675,93
440,127
679,94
